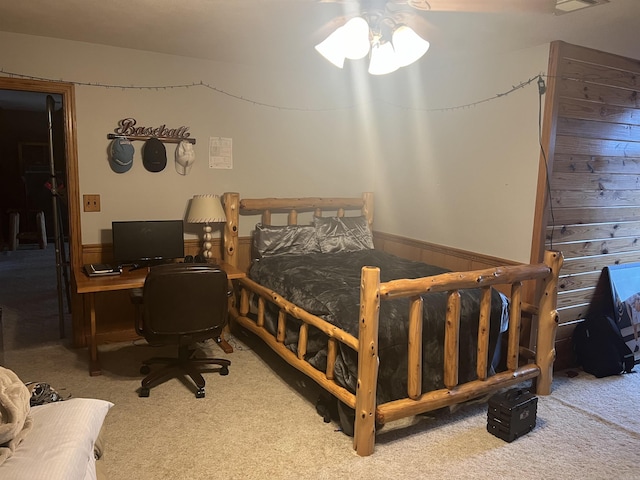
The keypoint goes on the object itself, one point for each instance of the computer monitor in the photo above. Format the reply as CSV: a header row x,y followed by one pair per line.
x,y
147,242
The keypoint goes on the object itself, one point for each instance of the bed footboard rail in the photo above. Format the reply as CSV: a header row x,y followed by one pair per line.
x,y
373,292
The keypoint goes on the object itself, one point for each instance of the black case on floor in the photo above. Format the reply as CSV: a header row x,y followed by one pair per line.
x,y
512,414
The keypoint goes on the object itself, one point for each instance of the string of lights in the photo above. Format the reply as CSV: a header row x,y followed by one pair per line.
x,y
202,84
171,87
472,104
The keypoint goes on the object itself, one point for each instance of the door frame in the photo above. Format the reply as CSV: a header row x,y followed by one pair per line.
x,y
67,91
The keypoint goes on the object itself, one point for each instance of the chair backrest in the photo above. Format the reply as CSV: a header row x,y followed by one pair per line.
x,y
184,300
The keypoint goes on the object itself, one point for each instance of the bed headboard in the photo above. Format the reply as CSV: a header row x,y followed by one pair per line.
x,y
234,206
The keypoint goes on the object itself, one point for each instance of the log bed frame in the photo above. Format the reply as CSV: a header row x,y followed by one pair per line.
x,y
522,363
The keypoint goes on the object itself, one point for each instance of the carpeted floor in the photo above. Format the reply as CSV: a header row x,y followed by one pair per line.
x,y
260,420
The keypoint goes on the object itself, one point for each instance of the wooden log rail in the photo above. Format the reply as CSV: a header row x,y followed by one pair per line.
x,y
292,206
285,309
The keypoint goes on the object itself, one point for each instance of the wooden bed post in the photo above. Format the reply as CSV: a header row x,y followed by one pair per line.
x,y
367,207
232,212
547,323
365,421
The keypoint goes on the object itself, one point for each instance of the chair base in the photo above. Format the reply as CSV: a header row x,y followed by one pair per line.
x,y
185,365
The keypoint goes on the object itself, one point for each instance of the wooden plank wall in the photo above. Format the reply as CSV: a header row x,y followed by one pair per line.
x,y
594,165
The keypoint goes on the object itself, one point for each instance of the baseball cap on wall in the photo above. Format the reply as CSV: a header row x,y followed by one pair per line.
x,y
121,155
154,155
185,156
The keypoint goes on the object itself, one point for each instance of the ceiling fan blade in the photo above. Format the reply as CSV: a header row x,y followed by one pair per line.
x,y
327,28
530,6
422,26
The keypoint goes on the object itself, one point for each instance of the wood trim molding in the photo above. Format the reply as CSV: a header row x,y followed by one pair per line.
x,y
548,141
398,245
99,252
434,254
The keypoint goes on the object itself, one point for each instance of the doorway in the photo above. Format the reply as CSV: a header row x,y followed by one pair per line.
x,y
21,170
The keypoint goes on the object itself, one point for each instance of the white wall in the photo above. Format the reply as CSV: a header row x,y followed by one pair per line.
x,y
464,178
297,143
468,177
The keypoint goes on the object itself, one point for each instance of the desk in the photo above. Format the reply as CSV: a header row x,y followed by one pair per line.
x,y
125,281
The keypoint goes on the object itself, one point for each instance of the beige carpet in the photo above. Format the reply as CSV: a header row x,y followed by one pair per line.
x,y
260,421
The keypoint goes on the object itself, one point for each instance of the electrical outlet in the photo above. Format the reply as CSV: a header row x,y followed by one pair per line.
x,y
91,203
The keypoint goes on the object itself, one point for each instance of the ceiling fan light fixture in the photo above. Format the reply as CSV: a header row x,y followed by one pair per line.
x,y
408,45
383,59
355,35
391,45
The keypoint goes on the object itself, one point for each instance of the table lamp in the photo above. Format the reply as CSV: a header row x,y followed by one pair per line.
x,y
206,209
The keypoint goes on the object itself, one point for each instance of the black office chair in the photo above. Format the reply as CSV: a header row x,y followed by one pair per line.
x,y
181,304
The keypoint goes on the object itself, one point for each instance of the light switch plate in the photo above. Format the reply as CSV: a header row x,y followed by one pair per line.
x,y
91,203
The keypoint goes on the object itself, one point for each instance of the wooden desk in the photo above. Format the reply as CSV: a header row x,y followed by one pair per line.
x,y
125,281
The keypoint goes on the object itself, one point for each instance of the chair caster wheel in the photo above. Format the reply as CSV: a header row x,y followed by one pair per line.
x,y
224,370
144,392
200,393
145,369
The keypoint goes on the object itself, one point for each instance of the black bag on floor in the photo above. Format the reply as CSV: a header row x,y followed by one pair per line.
x,y
600,348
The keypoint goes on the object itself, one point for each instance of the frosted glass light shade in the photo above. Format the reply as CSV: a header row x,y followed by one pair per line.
x,y
408,45
332,48
355,37
383,59
354,40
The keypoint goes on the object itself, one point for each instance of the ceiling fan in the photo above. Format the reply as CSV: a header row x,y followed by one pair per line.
x,y
492,6
409,11
385,30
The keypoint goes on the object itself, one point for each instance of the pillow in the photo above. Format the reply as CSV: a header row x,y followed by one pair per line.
x,y
61,442
343,234
284,239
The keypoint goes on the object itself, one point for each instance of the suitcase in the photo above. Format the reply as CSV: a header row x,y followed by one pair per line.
x,y
512,414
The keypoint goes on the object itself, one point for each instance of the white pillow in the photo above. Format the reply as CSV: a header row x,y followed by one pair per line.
x,y
60,444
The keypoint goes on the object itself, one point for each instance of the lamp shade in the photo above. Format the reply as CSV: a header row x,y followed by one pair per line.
x,y
408,45
206,209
